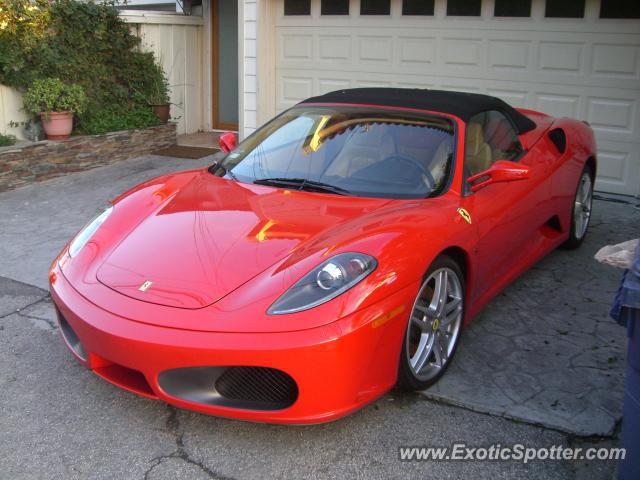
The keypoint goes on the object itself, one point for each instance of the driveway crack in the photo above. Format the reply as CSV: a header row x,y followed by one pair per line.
x,y
52,326
35,302
173,426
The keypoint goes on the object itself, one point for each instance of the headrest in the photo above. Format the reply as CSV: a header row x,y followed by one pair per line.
x,y
475,138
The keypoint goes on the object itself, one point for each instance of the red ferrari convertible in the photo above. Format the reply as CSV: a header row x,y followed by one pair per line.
x,y
336,252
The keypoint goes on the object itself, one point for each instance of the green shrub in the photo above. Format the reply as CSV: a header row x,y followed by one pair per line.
x,y
83,43
52,95
117,117
7,140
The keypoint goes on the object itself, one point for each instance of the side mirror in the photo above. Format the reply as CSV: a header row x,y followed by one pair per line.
x,y
228,141
500,171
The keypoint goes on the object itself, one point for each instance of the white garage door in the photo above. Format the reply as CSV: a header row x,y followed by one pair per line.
x,y
587,68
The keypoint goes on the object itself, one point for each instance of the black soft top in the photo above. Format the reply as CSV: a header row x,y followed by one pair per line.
x,y
462,105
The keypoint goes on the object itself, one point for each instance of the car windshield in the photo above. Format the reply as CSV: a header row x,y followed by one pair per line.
x,y
347,150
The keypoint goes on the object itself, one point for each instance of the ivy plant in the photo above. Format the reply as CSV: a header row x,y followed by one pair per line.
x,y
84,43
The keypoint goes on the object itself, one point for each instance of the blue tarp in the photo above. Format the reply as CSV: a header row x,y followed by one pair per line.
x,y
626,305
626,311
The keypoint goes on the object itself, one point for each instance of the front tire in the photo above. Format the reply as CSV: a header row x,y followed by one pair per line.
x,y
581,210
434,326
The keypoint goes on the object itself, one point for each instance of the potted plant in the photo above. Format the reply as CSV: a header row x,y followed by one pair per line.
x,y
55,102
159,98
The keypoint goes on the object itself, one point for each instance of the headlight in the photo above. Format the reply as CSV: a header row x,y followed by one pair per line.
x,y
326,281
87,232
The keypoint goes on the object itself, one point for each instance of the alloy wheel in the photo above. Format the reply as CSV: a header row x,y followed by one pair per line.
x,y
582,205
435,323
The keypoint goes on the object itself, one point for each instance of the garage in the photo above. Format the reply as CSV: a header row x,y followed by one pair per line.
x,y
577,58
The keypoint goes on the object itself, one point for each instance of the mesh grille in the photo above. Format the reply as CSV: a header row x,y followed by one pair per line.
x,y
257,384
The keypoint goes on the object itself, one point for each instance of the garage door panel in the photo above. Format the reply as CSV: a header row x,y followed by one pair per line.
x,y
335,49
557,105
618,167
375,50
612,115
416,52
561,57
296,48
462,54
587,69
326,85
613,60
509,56
293,89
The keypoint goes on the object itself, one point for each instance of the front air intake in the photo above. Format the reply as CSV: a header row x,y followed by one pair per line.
x,y
257,384
246,387
70,336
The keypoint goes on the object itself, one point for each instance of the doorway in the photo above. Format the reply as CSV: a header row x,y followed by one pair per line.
x,y
224,64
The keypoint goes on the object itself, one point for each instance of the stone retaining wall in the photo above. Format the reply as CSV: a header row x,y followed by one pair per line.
x,y
25,163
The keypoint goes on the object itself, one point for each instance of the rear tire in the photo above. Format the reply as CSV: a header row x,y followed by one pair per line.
x,y
434,326
581,210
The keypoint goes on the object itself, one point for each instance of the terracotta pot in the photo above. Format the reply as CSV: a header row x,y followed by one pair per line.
x,y
162,111
57,125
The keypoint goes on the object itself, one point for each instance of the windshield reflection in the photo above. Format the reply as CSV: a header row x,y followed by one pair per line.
x,y
361,151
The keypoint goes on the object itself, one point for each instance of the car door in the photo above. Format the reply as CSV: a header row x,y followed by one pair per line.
x,y
506,215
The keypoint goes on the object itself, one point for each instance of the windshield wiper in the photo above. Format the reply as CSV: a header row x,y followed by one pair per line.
x,y
302,184
225,171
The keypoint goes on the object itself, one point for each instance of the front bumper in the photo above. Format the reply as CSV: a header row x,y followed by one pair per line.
x,y
337,368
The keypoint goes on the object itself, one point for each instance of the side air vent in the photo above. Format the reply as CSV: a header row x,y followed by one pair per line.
x,y
554,223
559,139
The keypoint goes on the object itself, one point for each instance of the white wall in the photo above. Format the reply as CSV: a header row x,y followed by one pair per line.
x,y
248,66
177,42
11,111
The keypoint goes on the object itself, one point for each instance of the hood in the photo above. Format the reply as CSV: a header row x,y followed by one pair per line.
x,y
214,234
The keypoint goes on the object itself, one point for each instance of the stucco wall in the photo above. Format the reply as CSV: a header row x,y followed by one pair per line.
x,y
11,111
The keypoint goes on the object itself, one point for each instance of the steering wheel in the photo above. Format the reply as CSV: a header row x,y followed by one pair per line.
x,y
415,164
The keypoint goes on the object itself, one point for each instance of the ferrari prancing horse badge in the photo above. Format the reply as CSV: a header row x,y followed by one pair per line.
x,y
464,214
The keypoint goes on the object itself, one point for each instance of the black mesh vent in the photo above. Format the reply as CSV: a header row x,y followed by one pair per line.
x,y
257,384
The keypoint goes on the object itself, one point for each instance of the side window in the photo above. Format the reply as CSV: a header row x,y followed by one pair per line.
x,y
490,137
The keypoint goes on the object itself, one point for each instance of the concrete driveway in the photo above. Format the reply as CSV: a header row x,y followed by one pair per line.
x,y
549,357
